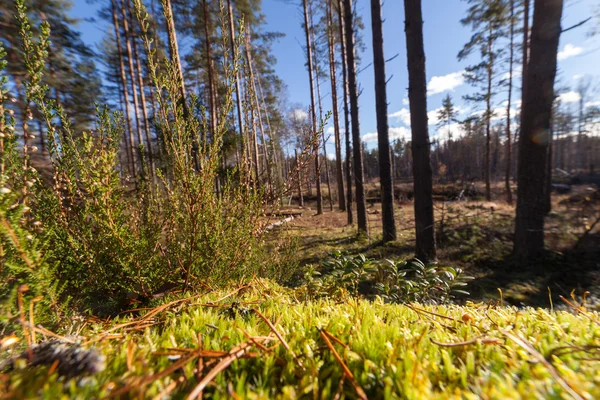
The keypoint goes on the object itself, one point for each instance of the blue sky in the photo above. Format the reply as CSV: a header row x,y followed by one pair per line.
x,y
444,37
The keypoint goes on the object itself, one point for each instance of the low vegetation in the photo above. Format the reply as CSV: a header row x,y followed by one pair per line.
x,y
263,341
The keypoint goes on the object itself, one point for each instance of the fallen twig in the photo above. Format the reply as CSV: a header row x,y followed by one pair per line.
x,y
359,391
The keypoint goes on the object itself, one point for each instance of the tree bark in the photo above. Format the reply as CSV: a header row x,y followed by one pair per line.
x,y
142,98
315,137
132,166
336,116
488,116
260,121
508,116
173,46
212,99
383,137
136,104
346,115
238,91
417,94
361,204
525,63
535,131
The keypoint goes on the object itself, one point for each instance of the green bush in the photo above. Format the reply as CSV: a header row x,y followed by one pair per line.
x,y
114,238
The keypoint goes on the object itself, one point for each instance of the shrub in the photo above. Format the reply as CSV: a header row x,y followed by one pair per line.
x,y
117,238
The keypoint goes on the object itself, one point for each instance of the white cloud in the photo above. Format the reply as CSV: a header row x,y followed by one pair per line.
x,y
570,97
443,133
330,156
432,116
397,132
405,101
577,77
440,84
592,104
300,114
568,51
402,116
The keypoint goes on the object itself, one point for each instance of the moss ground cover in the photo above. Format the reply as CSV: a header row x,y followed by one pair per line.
x,y
262,341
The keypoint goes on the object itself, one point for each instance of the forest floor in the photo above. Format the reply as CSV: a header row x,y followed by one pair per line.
x,y
262,341
476,236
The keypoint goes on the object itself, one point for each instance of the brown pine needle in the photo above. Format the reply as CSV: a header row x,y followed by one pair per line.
x,y
281,339
420,310
234,354
484,340
541,359
579,310
167,371
338,341
359,391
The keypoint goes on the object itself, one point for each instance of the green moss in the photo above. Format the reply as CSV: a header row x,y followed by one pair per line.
x,y
389,350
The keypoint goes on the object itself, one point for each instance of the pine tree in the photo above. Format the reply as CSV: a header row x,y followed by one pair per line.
x,y
417,95
361,204
488,20
313,111
447,115
383,139
534,141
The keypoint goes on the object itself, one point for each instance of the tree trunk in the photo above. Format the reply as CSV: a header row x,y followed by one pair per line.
x,y
346,115
212,99
142,99
315,137
238,91
383,139
488,116
417,94
299,177
536,116
336,117
260,121
320,105
508,116
173,46
132,166
525,63
361,204
136,105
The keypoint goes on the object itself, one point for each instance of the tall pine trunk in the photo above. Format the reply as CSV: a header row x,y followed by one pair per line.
x,y
238,92
136,105
535,137
173,46
361,204
315,136
346,114
336,117
143,104
131,145
525,63
417,95
383,139
488,115
508,116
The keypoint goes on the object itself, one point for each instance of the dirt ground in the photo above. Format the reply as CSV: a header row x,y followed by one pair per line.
x,y
476,236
